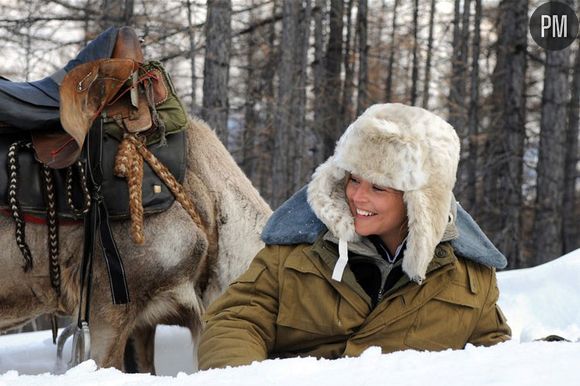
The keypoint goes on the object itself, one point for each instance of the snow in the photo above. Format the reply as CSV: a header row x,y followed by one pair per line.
x,y
537,301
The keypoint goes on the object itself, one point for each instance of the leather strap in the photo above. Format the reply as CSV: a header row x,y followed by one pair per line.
x,y
97,220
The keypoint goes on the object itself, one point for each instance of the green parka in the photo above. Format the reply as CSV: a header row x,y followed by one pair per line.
x,y
286,304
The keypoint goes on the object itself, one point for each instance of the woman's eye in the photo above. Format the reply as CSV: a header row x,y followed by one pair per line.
x,y
379,189
353,180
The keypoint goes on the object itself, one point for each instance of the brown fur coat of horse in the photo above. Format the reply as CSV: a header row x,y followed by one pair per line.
x,y
172,277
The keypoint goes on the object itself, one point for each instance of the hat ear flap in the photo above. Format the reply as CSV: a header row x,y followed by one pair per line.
x,y
427,211
327,198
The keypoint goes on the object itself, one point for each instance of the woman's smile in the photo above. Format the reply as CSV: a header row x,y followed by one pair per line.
x,y
364,213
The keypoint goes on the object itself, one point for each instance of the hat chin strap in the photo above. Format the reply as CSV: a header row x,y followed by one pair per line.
x,y
342,260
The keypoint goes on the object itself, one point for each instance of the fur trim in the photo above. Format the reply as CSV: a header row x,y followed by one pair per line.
x,y
402,147
327,197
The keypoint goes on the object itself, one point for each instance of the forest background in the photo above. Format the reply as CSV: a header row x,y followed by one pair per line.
x,y
280,80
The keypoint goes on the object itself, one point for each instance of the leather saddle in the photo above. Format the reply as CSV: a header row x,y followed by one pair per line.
x,y
59,110
56,113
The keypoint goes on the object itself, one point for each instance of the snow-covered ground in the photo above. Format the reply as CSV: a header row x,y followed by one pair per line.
x,y
537,301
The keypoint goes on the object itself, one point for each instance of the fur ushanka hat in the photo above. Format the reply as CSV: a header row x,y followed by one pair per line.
x,y
401,147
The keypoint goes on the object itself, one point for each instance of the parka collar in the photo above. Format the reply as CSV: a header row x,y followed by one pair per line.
x,y
326,248
294,223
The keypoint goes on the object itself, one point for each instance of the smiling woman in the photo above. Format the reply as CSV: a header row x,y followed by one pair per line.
x,y
387,267
377,211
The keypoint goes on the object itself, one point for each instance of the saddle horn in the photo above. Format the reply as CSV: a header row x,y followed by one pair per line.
x,y
89,87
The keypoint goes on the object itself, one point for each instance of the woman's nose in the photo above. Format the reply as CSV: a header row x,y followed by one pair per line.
x,y
360,194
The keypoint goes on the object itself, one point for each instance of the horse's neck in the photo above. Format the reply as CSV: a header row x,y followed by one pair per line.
x,y
242,213
217,169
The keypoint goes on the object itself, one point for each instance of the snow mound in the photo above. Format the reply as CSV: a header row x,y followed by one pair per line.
x,y
537,301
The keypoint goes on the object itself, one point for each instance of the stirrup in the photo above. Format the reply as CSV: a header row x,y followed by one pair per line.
x,y
81,347
68,331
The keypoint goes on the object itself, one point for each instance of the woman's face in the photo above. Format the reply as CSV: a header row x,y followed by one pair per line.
x,y
377,210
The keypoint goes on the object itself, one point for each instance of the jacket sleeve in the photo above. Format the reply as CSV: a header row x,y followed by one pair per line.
x,y
240,325
492,327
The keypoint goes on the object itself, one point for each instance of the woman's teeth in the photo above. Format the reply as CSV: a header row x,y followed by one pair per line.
x,y
364,212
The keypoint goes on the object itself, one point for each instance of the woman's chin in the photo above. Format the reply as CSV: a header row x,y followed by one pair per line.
x,y
361,231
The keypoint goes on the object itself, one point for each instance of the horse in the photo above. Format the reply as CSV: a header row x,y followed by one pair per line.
x,y
179,270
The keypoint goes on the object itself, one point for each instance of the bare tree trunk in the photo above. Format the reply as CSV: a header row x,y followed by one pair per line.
x,y
473,118
87,22
454,90
547,233
429,55
458,67
363,49
455,87
331,128
116,13
289,122
216,70
266,135
191,36
318,67
415,66
302,161
505,142
390,66
347,108
252,96
571,229
28,45
458,96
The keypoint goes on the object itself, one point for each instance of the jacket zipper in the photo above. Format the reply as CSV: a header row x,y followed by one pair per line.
x,y
379,295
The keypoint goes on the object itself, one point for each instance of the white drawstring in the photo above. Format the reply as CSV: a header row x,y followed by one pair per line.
x,y
342,260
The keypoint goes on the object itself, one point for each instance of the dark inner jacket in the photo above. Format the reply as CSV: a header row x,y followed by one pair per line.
x,y
377,275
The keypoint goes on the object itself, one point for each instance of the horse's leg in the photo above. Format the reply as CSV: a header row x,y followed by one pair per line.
x,y
109,334
140,351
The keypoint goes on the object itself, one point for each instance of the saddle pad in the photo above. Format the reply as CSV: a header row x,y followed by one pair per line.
x,y
31,197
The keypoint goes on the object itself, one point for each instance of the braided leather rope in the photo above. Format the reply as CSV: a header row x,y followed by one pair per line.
x,y
129,164
51,214
84,187
52,222
13,201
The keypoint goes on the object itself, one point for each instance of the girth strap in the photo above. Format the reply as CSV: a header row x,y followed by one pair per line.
x,y
97,220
